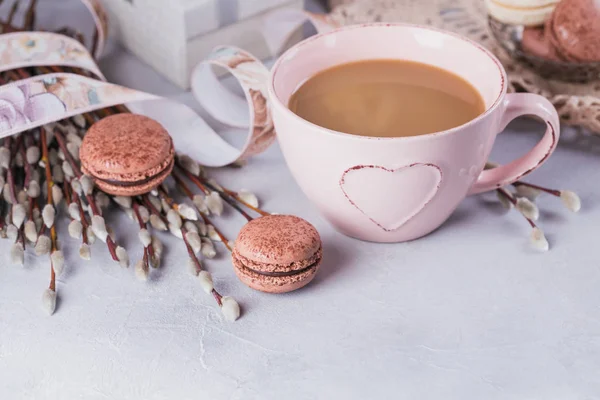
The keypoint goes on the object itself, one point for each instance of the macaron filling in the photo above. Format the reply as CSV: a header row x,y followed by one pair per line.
x,y
267,269
115,182
274,270
289,273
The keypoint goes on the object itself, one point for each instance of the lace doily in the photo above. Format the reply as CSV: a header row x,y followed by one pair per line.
x,y
577,104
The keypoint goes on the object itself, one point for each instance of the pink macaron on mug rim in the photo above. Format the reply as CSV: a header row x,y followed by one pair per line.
x,y
276,100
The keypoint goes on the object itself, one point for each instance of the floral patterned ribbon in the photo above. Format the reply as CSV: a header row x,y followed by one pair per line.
x,y
36,101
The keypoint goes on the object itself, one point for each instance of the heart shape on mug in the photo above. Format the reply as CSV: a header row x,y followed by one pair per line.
x,y
391,197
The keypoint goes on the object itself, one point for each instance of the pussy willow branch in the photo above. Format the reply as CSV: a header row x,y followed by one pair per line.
x,y
49,184
112,246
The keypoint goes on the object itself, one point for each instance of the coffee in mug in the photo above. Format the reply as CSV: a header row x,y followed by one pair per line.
x,y
387,98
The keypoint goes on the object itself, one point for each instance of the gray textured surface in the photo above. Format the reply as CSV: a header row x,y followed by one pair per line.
x,y
469,312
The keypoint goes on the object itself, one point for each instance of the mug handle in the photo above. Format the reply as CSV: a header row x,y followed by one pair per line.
x,y
516,105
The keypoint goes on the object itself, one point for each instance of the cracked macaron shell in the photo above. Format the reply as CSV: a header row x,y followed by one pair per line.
x,y
127,148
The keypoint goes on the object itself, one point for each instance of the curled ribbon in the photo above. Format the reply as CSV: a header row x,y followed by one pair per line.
x,y
35,101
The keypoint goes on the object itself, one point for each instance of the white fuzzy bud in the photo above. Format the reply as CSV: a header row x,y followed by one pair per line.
x,y
230,308
506,203
123,201
175,231
165,205
49,301
214,203
17,254
538,240
18,214
61,154
73,137
90,235
206,282
12,233
157,245
200,203
30,231
145,237
57,195
189,164
85,252
58,175
141,271
190,226
174,218
102,200
212,233
58,262
73,210
75,229
571,200
48,215
144,214
79,120
187,212
208,249
155,201
42,246
33,190
249,198
33,154
35,175
67,169
6,193
76,186
87,184
157,223
202,229
528,208
99,227
22,197
4,157
2,183
122,256
193,240
73,149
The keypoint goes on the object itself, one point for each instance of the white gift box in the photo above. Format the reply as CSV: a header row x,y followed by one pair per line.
x,y
173,36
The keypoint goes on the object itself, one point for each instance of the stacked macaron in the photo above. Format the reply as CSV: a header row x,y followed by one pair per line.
x,y
521,12
277,253
565,31
127,154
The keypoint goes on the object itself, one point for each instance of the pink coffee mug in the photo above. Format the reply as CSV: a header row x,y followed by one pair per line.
x,y
401,188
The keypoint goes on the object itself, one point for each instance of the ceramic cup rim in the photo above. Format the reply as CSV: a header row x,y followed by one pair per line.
x,y
276,101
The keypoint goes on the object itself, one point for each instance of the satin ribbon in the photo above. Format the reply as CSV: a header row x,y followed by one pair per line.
x,y
36,101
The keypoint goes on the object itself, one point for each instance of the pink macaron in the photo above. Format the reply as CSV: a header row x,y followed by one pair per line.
x,y
127,154
277,253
